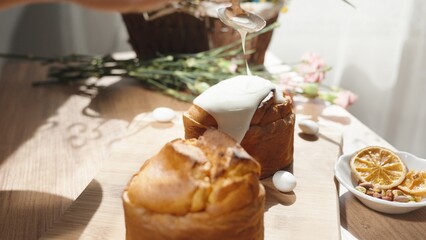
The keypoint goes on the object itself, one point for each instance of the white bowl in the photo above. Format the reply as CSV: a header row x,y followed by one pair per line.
x,y
343,173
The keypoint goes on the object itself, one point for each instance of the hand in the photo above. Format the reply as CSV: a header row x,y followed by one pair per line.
x,y
107,5
124,5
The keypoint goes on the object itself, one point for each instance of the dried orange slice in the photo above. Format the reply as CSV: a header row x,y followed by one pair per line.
x,y
379,166
414,183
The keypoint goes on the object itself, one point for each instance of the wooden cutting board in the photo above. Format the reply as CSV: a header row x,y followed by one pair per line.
x,y
310,212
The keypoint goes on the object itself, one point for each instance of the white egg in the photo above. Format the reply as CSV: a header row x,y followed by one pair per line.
x,y
163,114
284,181
309,127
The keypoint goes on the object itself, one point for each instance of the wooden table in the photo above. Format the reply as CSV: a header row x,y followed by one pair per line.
x,y
55,139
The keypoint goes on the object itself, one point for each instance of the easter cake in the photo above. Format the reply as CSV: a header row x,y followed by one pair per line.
x,y
204,188
250,110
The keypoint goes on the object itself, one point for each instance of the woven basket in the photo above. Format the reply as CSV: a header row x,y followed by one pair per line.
x,y
184,33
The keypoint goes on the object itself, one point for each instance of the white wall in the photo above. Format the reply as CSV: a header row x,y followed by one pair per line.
x,y
58,29
377,50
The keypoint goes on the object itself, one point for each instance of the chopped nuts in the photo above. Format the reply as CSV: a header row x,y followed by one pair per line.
x,y
361,189
370,192
395,195
411,198
401,198
419,199
377,195
366,185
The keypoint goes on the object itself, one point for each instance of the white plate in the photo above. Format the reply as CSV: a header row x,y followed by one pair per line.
x,y
342,171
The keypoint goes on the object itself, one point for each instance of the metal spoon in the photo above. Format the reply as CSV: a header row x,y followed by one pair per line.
x,y
236,17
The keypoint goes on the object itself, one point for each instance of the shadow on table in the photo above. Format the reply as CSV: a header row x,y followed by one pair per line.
x,y
27,215
29,117
314,108
274,197
365,223
308,137
23,212
25,108
88,203
126,99
314,138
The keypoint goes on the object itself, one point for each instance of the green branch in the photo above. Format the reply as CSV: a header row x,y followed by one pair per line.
x,y
175,75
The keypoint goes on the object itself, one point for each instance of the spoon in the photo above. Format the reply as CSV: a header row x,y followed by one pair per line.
x,y
236,17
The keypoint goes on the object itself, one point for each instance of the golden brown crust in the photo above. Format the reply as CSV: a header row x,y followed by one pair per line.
x,y
269,139
204,188
246,223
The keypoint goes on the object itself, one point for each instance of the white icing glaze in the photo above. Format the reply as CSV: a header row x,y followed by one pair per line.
x,y
233,102
242,20
243,35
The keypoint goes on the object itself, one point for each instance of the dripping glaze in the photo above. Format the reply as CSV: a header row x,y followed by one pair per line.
x,y
233,102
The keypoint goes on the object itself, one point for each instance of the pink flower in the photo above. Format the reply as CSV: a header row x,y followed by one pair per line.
x,y
313,59
290,81
345,98
312,68
233,67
